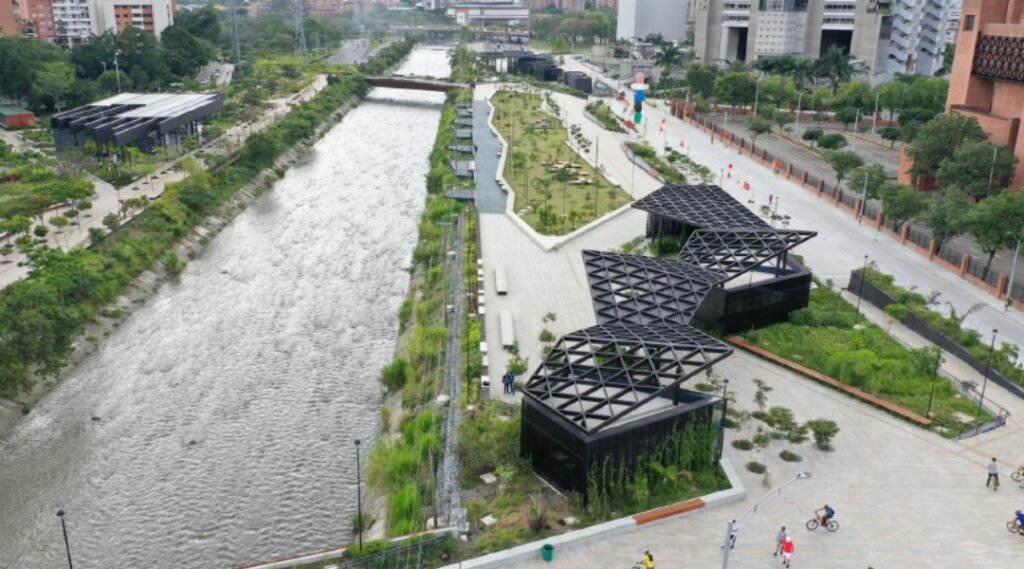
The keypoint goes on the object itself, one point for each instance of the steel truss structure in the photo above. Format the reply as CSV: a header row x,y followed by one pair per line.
x,y
594,376
643,347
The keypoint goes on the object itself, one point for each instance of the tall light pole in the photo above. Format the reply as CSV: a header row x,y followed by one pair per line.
x,y
1013,273
860,290
992,169
117,73
64,528
757,93
874,119
359,496
799,100
988,367
803,475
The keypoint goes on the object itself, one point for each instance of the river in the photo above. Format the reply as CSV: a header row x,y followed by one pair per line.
x,y
229,403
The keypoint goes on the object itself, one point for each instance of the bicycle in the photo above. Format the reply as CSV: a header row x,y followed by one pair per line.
x,y
815,523
1019,475
1012,527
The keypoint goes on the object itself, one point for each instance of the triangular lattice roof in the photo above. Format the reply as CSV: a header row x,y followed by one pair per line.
x,y
595,376
630,289
733,252
704,205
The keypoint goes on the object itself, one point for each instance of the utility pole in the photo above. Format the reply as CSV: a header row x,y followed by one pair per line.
x,y
117,73
991,170
300,31
874,119
235,44
799,100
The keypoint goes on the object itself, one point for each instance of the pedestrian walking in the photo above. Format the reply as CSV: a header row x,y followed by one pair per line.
x,y
787,551
512,383
780,538
734,528
507,387
993,475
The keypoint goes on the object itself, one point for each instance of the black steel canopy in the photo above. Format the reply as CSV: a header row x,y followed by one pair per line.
x,y
732,252
595,376
631,289
701,206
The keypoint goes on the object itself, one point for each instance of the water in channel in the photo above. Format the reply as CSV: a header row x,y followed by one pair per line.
x,y
230,401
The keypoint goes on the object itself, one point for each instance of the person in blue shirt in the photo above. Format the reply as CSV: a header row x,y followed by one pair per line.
x,y
1020,519
825,514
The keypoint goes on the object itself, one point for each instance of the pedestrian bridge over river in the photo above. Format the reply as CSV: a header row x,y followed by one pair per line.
x,y
414,83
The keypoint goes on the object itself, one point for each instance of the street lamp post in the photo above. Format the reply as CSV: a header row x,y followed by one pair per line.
x,y
935,374
992,169
64,528
1013,273
988,367
359,496
757,93
803,475
799,100
874,119
860,289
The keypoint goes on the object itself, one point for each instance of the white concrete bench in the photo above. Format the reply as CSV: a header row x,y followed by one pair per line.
x,y
508,332
500,280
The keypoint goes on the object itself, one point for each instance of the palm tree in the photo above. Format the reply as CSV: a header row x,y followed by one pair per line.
x,y
668,57
836,66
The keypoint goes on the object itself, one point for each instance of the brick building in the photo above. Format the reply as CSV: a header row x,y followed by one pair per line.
x,y
987,81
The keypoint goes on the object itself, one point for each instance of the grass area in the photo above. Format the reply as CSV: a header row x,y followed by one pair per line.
x,y
830,337
951,325
556,190
667,171
31,181
600,111
527,510
403,462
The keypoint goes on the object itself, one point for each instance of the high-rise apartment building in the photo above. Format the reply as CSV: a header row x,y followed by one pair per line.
x,y
72,21
149,15
885,36
987,81
638,19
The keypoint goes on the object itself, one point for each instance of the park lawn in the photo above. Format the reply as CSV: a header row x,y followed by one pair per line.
x,y
29,183
552,207
829,337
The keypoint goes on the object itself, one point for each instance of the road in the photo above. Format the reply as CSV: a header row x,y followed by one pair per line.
x,y
216,73
352,52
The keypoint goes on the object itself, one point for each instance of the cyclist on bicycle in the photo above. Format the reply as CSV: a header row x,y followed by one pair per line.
x,y
647,560
825,514
1020,519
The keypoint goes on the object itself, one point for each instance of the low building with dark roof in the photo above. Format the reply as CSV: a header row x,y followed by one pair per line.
x,y
157,119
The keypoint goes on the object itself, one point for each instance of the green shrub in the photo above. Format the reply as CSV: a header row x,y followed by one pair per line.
x,y
812,135
742,444
395,375
756,467
823,431
832,141
790,456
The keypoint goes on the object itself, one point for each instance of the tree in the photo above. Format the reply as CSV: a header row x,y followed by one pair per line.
x,y
781,120
668,57
979,168
854,95
832,141
17,224
944,214
842,162
823,431
111,221
40,231
182,52
847,116
757,126
735,88
701,79
812,135
868,179
60,222
938,139
53,81
835,66
892,134
996,223
203,23
902,203
891,96
948,54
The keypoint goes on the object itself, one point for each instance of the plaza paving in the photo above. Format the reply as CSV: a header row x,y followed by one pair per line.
x,y
905,497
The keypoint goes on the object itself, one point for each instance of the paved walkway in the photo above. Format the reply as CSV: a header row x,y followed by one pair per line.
x,y
107,199
905,497
489,197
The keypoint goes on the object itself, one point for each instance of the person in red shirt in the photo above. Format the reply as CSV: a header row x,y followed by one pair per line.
x,y
787,551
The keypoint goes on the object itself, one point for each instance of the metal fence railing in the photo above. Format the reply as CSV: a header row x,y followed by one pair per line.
x,y
919,237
